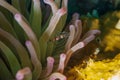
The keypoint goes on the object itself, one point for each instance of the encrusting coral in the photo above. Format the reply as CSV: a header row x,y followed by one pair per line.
x,y
108,69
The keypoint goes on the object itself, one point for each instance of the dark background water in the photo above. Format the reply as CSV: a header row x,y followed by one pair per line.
x,y
84,6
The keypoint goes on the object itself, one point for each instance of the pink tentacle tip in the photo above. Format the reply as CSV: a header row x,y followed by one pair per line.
x,y
27,42
50,60
75,15
78,46
81,44
21,73
71,27
17,17
62,63
62,11
94,32
63,57
99,32
19,76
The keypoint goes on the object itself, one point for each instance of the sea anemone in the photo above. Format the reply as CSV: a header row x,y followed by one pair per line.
x,y
29,47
